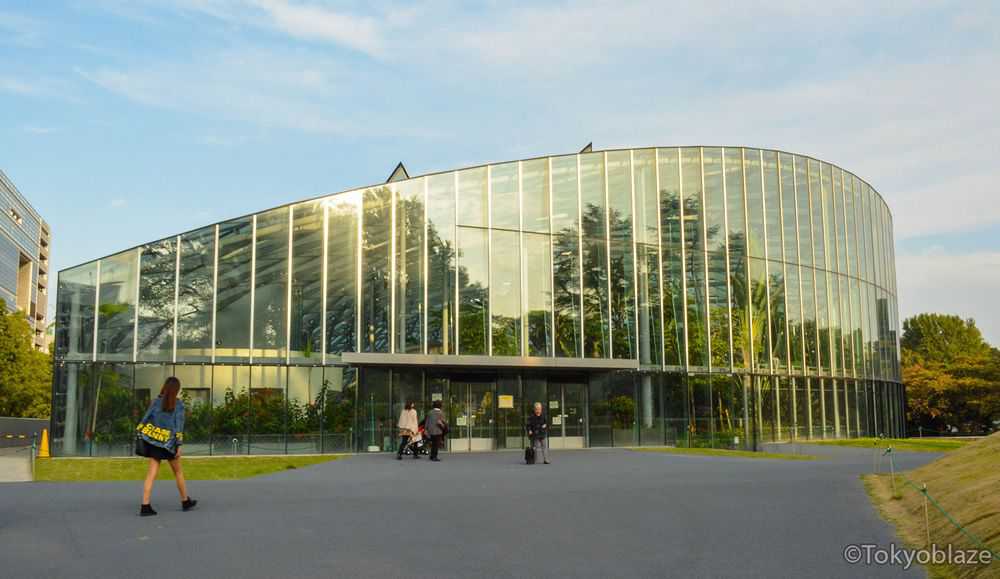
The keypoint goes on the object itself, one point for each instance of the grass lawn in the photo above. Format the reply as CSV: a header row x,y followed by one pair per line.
x,y
208,468
907,444
722,452
964,483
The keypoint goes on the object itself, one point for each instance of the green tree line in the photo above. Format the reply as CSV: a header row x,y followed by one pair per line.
x,y
951,375
25,373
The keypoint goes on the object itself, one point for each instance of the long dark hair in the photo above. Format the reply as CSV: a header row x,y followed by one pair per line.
x,y
171,387
409,406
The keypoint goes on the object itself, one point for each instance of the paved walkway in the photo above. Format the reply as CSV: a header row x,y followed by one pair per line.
x,y
594,513
15,464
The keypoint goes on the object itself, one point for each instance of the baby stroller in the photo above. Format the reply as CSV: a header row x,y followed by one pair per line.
x,y
419,444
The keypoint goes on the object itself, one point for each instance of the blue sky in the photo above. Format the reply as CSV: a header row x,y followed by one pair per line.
x,y
125,121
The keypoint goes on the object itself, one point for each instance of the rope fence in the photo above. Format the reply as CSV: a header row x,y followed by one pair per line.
x,y
928,499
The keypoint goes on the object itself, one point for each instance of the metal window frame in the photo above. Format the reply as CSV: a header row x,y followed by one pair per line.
x,y
288,289
425,273
705,257
135,308
610,351
177,287
359,209
581,347
215,291
253,284
552,264
97,311
522,285
635,256
683,235
729,285
323,278
489,261
660,277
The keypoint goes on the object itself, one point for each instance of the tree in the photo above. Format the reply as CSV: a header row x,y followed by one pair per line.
x,y
25,373
952,374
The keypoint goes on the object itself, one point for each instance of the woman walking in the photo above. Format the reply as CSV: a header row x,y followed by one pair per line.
x,y
160,436
408,425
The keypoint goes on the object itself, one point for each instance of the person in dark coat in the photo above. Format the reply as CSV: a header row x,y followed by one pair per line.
x,y
538,430
436,427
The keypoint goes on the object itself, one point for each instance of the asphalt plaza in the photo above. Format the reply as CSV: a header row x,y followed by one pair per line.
x,y
591,513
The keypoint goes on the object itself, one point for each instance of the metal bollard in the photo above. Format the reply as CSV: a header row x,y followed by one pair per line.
x,y
927,520
892,470
236,446
34,451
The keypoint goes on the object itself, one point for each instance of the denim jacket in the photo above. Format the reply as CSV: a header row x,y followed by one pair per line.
x,y
161,428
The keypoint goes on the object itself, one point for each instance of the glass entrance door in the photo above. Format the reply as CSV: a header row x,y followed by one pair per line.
x,y
472,416
567,410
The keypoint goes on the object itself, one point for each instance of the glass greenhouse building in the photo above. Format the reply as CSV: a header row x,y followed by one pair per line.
x,y
689,296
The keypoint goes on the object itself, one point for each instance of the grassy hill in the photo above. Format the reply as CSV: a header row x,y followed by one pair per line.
x,y
966,483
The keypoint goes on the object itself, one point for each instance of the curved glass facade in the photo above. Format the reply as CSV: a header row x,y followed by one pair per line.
x,y
719,296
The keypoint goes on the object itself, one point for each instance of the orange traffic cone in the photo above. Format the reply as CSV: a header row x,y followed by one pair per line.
x,y
43,448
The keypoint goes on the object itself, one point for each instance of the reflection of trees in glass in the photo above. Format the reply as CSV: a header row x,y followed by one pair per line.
x,y
409,277
111,411
156,298
194,298
595,283
622,284
375,275
440,291
566,292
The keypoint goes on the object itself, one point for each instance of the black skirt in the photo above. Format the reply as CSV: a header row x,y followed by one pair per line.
x,y
143,448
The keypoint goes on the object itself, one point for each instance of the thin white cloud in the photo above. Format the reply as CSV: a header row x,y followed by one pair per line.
x,y
962,284
314,22
39,130
271,89
19,30
118,203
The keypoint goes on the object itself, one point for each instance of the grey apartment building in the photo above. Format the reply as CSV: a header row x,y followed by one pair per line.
x,y
25,241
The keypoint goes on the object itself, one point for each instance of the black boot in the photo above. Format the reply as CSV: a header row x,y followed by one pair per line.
x,y
146,511
189,504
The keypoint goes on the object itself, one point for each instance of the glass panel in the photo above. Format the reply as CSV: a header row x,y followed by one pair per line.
x,y
776,303
510,425
376,425
809,318
535,195
788,203
230,409
647,258
697,334
196,390
715,208
701,427
675,407
793,313
801,404
505,295
75,313
537,280
773,181
340,391
622,258
271,288
756,328
595,257
754,200
194,296
409,266
375,241
305,409
472,204
565,260
504,183
718,292
108,422
115,324
473,290
441,264
650,399
786,411
612,409
737,239
718,295
766,414
157,277
804,215
729,427
267,409
307,285
674,334
407,386
816,215
341,272
232,305
823,321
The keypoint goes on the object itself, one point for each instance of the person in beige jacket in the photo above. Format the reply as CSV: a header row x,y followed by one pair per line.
x,y
408,429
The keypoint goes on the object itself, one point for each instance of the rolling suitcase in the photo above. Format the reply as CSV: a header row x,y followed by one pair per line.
x,y
529,455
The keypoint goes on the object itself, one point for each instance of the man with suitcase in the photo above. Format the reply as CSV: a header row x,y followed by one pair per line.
x,y
538,428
